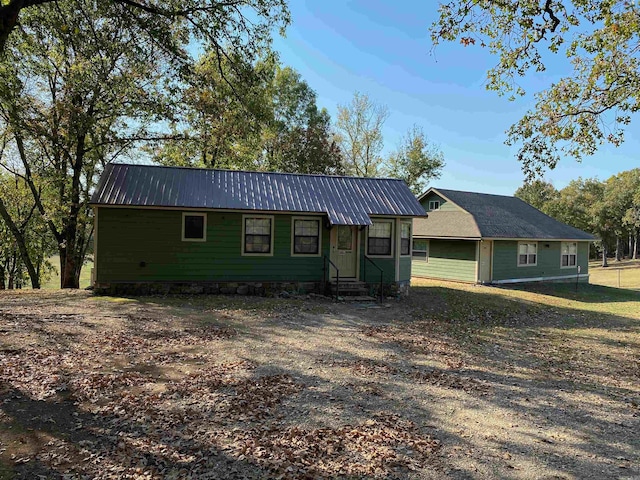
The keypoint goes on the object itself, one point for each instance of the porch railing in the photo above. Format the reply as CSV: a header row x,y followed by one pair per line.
x,y
326,274
364,274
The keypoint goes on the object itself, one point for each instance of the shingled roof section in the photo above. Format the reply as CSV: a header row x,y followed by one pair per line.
x,y
446,225
499,216
346,200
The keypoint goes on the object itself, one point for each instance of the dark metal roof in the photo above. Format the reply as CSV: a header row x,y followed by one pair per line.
x,y
499,216
346,200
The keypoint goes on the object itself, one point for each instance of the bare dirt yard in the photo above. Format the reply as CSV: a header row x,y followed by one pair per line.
x,y
455,382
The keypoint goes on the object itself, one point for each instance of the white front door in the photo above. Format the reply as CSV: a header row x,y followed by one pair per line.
x,y
344,250
485,261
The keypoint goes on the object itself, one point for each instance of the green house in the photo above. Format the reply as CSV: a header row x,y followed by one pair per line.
x,y
482,238
202,230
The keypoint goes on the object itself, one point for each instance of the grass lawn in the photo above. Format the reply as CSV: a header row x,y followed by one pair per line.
x,y
625,274
455,382
53,282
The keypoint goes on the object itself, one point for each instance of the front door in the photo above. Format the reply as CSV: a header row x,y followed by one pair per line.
x,y
344,250
485,261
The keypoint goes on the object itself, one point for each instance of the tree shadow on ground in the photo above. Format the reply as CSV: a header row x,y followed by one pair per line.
x,y
586,293
414,360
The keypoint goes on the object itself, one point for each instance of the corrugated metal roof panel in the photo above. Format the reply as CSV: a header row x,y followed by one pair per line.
x,y
346,200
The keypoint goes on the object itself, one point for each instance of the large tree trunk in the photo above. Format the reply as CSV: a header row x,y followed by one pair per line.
x,y
604,255
3,286
69,272
634,255
19,238
618,255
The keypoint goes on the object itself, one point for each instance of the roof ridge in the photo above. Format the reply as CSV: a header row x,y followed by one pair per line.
x,y
176,167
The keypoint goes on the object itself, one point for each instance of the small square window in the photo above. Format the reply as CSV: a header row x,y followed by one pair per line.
x,y
194,227
434,205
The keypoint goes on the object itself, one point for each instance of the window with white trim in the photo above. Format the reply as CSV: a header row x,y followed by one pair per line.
x,y
569,254
306,236
420,251
258,235
379,241
434,205
527,254
405,238
194,227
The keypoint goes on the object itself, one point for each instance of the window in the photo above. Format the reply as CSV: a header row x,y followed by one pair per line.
x,y
405,238
258,235
306,236
379,240
569,254
434,205
527,254
420,250
194,227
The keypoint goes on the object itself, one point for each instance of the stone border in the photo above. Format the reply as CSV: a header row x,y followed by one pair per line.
x,y
230,288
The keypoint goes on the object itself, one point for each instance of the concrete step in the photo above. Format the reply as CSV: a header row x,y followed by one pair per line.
x,y
350,288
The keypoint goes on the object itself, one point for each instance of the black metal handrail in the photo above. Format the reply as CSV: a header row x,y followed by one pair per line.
x,y
327,271
364,274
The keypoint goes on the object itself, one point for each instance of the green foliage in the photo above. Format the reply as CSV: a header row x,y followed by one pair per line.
x,y
416,161
359,126
537,193
18,203
83,83
576,114
258,117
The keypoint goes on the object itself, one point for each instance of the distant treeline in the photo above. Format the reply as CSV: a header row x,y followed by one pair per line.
x,y
609,209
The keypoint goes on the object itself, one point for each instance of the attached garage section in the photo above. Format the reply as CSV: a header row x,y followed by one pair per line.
x,y
445,259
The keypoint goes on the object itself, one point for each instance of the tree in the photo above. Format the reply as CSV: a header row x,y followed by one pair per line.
x,y
619,194
416,161
84,82
538,194
274,125
25,242
359,127
220,116
575,115
298,137
219,23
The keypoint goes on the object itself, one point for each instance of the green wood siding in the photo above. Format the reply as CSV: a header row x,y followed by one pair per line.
x,y
505,261
127,237
444,205
449,260
405,269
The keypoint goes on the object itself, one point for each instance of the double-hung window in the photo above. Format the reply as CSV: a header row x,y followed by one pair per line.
x,y
405,238
379,241
257,235
569,254
527,254
194,227
306,236
420,249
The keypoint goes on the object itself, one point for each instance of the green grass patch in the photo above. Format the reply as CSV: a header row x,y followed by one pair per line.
x,y
624,274
53,282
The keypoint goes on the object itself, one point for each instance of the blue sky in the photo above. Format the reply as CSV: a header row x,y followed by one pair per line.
x,y
382,48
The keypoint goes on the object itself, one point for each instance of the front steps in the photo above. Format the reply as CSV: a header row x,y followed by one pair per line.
x,y
349,289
